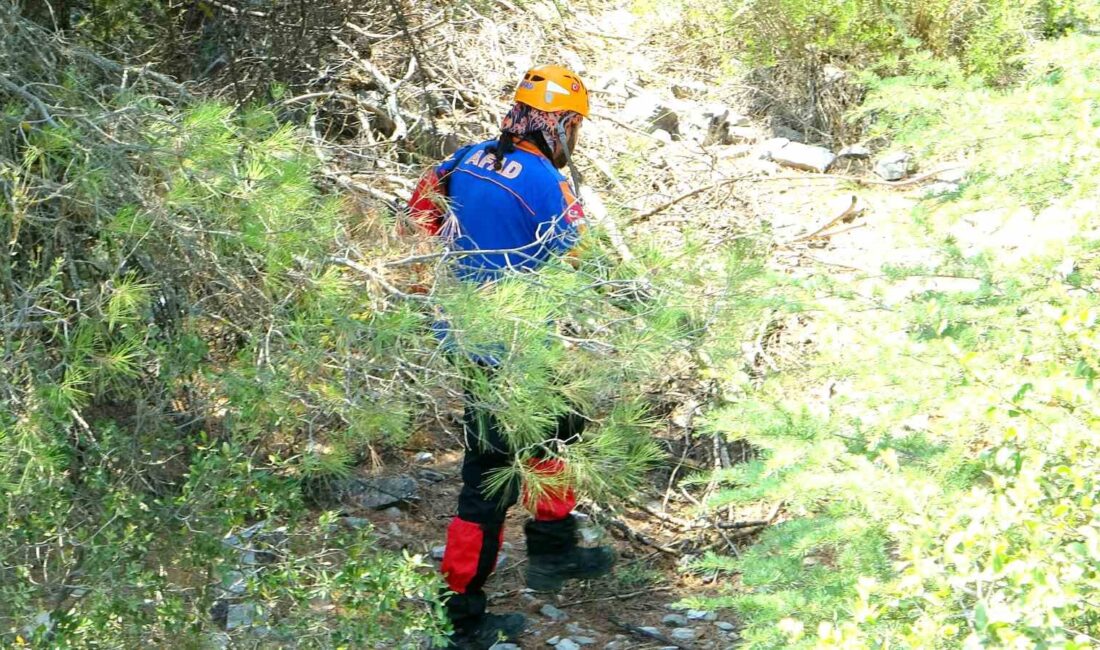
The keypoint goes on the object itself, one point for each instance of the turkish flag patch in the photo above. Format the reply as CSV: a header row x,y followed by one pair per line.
x,y
574,214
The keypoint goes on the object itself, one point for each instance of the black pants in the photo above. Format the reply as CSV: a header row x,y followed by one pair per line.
x,y
475,535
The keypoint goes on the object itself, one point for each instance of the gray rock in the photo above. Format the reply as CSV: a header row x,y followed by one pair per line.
x,y
438,551
424,457
675,620
379,493
650,630
235,582
394,513
355,523
567,644
725,627
553,613
894,166
614,645
682,634
553,640
239,615
431,476
583,640
701,615
799,156
788,134
504,646
857,151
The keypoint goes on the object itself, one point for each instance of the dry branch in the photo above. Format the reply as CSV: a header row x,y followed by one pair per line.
x,y
639,218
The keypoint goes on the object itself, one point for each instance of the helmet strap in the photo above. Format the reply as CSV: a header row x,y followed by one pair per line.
x,y
573,171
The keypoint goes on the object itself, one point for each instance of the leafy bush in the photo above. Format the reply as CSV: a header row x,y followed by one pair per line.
x,y
197,340
810,54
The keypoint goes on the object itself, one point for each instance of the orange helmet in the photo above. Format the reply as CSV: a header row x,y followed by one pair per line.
x,y
552,88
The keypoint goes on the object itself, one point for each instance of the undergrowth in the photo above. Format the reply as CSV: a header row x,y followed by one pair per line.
x,y
943,496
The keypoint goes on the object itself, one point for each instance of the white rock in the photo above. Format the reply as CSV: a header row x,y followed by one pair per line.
x,y
553,640
649,111
424,457
854,151
801,156
567,644
894,166
438,552
504,646
583,640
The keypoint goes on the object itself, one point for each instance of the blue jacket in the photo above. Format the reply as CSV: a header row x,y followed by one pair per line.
x,y
520,215
525,212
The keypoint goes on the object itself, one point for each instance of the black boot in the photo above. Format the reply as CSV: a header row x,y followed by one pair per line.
x,y
553,555
488,630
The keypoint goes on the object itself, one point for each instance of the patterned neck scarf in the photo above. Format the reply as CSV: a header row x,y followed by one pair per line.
x,y
524,121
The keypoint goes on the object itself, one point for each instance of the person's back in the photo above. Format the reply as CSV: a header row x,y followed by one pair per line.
x,y
519,211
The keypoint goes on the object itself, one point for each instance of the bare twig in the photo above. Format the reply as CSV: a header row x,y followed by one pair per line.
x,y
22,93
852,210
644,216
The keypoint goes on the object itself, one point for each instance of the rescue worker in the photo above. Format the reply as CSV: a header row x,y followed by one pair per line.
x,y
508,197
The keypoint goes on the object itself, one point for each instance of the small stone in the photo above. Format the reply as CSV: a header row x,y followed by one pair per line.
x,y
567,644
504,646
553,613
394,513
553,640
701,615
802,156
895,165
650,630
431,476
438,552
674,620
583,640
856,151
573,628
662,136
424,457
355,523
788,134
682,634
725,627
